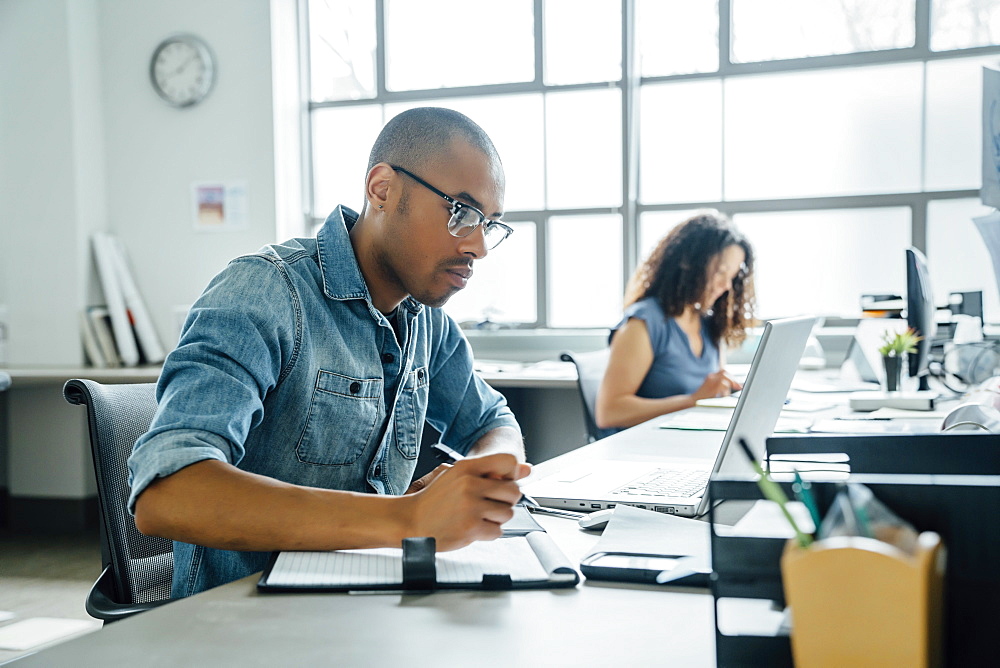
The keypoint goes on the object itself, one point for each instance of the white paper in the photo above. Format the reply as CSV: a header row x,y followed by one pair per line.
x,y
107,265
219,206
37,631
144,329
991,138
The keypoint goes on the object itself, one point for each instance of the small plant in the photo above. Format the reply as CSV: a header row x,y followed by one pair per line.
x,y
899,344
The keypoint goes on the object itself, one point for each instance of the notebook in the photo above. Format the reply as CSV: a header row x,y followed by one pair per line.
x,y
677,485
531,561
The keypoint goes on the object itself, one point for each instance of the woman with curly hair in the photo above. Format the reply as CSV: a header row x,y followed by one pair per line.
x,y
692,294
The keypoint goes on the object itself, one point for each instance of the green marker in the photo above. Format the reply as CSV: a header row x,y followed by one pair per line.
x,y
773,492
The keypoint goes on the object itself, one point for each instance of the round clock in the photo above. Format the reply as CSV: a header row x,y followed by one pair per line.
x,y
182,70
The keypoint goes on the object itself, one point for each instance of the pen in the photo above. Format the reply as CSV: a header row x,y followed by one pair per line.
x,y
450,456
773,492
803,491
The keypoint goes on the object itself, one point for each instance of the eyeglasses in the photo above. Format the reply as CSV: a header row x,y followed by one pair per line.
x,y
465,218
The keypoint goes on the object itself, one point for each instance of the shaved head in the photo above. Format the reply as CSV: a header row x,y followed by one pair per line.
x,y
416,136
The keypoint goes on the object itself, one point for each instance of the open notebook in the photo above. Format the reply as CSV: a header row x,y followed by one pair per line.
x,y
532,561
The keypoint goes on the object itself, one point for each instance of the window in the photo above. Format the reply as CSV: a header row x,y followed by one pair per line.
x,y
835,133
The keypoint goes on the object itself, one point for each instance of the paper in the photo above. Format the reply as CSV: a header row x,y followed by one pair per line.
x,y
634,530
720,422
513,556
37,631
219,207
765,520
991,138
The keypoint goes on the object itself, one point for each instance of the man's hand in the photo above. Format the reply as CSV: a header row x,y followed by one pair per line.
x,y
467,501
425,480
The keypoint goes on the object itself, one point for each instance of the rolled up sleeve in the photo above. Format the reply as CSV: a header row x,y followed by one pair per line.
x,y
237,340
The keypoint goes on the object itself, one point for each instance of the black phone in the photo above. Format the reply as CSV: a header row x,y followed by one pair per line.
x,y
639,567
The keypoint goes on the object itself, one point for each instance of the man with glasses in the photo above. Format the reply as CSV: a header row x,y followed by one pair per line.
x,y
290,415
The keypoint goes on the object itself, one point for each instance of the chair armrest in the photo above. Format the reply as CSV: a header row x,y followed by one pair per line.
x,y
101,606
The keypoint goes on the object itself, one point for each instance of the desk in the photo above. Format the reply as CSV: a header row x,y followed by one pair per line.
x,y
595,624
591,625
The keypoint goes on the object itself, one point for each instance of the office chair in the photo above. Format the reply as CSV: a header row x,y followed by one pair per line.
x,y
137,569
590,368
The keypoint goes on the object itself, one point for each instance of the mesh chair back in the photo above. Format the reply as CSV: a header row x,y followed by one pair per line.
x,y
590,368
142,566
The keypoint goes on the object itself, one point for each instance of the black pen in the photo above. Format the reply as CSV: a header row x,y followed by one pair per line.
x,y
450,456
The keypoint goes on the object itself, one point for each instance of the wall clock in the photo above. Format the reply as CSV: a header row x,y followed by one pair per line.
x,y
182,70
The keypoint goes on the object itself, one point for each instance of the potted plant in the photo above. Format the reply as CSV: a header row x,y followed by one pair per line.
x,y
895,346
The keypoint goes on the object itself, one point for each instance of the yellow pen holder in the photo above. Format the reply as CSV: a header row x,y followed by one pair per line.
x,y
861,602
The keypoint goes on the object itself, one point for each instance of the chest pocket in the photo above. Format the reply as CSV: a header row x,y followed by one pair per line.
x,y
411,409
343,419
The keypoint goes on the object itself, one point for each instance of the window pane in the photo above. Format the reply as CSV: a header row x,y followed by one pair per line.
x,y
583,41
960,24
837,132
821,262
342,49
677,36
583,142
514,123
954,123
680,142
342,139
654,225
502,288
451,43
957,259
780,29
585,270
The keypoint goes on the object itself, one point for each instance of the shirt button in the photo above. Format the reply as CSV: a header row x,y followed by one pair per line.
x,y
387,358
378,471
355,387
420,374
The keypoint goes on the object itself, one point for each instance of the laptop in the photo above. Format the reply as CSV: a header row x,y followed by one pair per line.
x,y
677,485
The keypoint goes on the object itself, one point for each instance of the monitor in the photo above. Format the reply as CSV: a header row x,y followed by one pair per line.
x,y
920,312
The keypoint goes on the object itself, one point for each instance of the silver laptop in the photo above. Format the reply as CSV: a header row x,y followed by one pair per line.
x,y
677,485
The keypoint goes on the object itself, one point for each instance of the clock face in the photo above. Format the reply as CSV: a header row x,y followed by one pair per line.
x,y
182,70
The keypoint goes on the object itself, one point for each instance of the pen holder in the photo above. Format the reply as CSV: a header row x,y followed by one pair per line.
x,y
861,602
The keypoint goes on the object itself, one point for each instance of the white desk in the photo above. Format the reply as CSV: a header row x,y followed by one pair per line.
x,y
233,625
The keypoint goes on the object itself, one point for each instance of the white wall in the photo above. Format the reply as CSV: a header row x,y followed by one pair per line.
x,y
155,152
85,144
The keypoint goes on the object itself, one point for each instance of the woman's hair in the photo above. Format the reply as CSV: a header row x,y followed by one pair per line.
x,y
676,274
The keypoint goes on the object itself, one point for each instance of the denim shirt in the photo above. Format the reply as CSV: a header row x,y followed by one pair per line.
x,y
286,369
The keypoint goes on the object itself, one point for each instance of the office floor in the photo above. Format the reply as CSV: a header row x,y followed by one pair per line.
x,y
46,576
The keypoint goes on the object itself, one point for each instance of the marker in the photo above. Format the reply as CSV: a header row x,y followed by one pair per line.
x,y
803,491
450,456
773,492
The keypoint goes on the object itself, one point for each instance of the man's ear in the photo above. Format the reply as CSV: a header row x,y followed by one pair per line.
x,y
378,188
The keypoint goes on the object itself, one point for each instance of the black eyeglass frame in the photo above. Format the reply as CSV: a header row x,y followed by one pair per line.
x,y
456,207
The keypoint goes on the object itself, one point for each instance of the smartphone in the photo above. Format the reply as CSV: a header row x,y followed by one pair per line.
x,y
637,567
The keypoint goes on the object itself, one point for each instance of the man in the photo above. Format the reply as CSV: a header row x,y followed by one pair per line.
x,y
290,413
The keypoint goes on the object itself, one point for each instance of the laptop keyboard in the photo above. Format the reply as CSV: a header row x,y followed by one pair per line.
x,y
680,483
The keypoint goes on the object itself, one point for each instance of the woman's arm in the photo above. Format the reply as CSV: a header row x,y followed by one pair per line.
x,y
630,361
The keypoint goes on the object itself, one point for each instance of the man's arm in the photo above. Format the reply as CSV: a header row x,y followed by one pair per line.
x,y
214,504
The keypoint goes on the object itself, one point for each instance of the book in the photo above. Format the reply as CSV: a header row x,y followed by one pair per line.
x,y
531,561
145,332
107,269
90,345
100,320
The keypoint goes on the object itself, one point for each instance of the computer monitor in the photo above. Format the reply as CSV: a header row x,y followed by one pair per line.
x,y
920,312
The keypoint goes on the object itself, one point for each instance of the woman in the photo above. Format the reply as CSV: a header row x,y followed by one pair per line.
x,y
693,293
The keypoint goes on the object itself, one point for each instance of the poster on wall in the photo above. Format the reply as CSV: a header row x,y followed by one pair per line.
x,y
991,138
219,207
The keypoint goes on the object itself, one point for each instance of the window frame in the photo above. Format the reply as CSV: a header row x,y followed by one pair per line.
x,y
629,85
